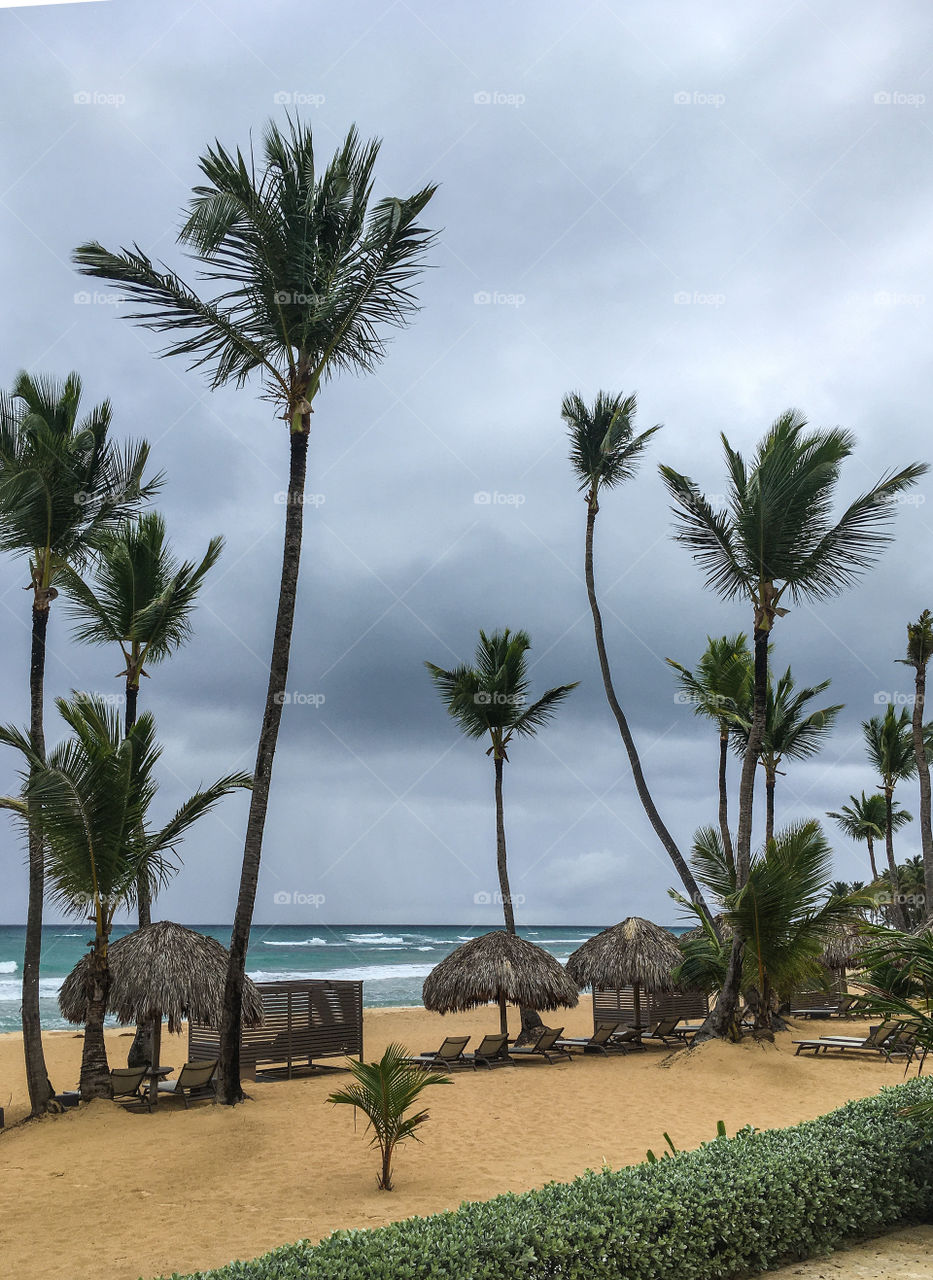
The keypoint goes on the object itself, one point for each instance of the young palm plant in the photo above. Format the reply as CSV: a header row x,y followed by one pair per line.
x,y
919,652
717,688
776,541
64,486
791,733
91,797
309,272
864,819
889,744
385,1091
490,699
604,454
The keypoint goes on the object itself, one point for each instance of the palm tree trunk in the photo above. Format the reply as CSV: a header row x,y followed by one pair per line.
x,y
724,799
769,804
95,1069
37,1078
871,856
898,912
230,1089
530,1018
641,786
723,1020
923,776
140,1053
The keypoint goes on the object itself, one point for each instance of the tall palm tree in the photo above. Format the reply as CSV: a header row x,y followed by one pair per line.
x,y
717,688
864,820
604,454
64,486
310,273
919,652
490,699
889,744
776,540
91,798
790,732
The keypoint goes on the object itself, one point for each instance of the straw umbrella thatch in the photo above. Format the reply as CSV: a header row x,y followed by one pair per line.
x,y
634,953
843,946
500,967
162,970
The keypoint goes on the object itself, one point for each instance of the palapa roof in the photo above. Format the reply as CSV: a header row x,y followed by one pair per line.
x,y
165,970
843,946
635,951
497,965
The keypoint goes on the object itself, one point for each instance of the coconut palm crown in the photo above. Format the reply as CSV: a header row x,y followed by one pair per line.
x,y
863,820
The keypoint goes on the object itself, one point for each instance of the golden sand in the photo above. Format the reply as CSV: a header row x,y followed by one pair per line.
x,y
101,1193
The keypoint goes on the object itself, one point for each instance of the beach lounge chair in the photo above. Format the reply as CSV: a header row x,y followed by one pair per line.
x,y
545,1046
194,1079
669,1031
876,1040
600,1041
843,1009
627,1038
492,1051
450,1054
126,1082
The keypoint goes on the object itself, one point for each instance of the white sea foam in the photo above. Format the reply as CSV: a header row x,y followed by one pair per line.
x,y
308,942
376,939
12,992
8,966
361,973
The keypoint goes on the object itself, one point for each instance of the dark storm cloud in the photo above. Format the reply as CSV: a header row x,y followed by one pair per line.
x,y
722,208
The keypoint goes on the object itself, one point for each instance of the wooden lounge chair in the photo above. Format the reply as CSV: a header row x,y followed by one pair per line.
x,y
627,1038
600,1041
492,1051
877,1041
450,1054
194,1079
669,1031
126,1082
545,1046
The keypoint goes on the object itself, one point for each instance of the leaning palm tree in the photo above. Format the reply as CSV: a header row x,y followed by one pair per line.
x,y
309,273
90,798
889,744
774,541
604,453
919,652
791,733
864,819
717,688
64,486
490,699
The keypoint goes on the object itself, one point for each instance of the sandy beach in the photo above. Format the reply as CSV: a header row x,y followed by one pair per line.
x,y
184,1190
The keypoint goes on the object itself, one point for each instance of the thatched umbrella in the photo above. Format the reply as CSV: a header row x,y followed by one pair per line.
x,y
500,967
162,970
635,953
844,945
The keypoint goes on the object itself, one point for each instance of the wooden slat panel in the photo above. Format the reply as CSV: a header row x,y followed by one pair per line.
x,y
620,1004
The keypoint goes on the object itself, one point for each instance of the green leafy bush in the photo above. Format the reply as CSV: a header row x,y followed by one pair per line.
x,y
734,1206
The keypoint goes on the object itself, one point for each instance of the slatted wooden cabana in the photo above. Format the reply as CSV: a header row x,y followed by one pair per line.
x,y
618,1005
302,1022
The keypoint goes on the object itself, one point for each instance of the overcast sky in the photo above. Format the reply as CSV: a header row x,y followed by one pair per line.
x,y
724,207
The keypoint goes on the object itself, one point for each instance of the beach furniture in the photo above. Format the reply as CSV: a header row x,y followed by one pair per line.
x,y
845,1008
627,1038
450,1054
601,1040
195,1078
669,1030
546,1046
492,1051
126,1082
888,1037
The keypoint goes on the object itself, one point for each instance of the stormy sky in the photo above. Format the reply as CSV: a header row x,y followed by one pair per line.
x,y
724,207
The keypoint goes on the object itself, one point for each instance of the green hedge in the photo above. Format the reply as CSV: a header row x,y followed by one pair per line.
x,y
734,1206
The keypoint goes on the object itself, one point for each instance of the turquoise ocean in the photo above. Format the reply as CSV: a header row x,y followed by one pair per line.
x,y
391,960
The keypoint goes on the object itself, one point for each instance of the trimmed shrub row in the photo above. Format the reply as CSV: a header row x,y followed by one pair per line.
x,y
734,1206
